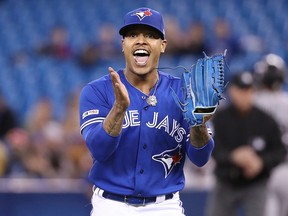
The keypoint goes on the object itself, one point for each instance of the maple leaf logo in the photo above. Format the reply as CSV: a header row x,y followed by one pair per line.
x,y
142,14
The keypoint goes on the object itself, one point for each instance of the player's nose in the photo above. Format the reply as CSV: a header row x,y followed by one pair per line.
x,y
141,38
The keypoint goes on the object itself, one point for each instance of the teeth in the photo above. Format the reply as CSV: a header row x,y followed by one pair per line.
x,y
141,52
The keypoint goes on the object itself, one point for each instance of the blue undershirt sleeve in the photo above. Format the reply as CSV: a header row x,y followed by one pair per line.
x,y
200,156
100,143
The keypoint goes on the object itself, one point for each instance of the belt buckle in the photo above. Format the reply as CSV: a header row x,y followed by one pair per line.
x,y
133,199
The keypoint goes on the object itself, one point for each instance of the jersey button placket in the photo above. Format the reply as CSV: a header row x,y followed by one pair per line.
x,y
145,106
143,163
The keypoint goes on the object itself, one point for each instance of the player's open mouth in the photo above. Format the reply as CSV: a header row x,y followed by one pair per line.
x,y
141,56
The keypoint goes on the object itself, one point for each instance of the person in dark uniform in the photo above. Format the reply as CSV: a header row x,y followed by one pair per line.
x,y
247,147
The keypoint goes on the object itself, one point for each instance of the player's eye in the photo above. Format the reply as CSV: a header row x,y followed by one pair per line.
x,y
152,35
149,35
131,35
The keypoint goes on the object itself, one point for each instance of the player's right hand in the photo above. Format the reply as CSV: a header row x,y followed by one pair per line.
x,y
122,100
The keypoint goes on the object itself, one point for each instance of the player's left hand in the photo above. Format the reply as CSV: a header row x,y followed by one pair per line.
x,y
203,86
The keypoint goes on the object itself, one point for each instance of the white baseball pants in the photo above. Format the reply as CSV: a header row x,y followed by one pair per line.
x,y
107,207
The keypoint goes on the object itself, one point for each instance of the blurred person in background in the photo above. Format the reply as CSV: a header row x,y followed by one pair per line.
x,y
3,158
39,115
223,38
54,148
270,73
189,42
248,147
57,45
195,40
104,49
47,135
175,37
23,158
8,119
76,149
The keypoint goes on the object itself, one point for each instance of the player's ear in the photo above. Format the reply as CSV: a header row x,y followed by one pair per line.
x,y
122,42
163,45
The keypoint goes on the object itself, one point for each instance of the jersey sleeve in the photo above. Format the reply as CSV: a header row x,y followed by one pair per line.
x,y
95,103
200,156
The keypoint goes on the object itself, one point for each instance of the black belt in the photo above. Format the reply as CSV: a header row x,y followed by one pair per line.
x,y
133,200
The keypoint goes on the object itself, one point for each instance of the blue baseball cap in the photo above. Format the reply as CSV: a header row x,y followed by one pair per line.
x,y
143,16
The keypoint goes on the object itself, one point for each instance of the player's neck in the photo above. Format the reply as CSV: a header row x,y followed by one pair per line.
x,y
144,83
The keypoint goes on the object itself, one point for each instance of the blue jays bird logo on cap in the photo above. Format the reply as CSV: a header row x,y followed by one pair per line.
x,y
137,17
169,159
142,14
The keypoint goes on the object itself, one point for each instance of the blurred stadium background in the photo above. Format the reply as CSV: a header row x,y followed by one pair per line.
x,y
24,23
260,25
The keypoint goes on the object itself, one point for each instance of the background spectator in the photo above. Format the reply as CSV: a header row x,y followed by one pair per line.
x,y
76,152
3,159
196,42
104,49
23,158
174,36
8,119
57,45
222,38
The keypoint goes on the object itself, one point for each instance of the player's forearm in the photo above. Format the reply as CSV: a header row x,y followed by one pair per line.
x,y
114,120
199,136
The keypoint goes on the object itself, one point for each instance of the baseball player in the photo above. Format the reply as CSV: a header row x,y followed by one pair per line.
x,y
135,131
270,73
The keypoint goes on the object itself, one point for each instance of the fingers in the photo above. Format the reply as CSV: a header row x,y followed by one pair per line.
x,y
114,76
120,91
116,82
112,71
